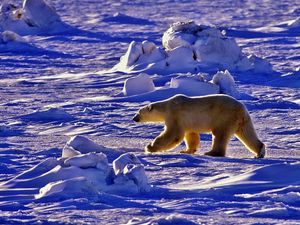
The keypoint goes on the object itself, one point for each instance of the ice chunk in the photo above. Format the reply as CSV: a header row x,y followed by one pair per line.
x,y
137,174
223,52
84,145
40,13
174,37
69,151
140,55
138,85
226,83
88,160
148,47
135,50
120,163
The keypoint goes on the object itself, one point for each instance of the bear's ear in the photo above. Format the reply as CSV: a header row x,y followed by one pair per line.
x,y
150,107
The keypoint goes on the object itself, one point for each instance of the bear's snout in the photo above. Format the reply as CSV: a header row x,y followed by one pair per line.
x,y
136,118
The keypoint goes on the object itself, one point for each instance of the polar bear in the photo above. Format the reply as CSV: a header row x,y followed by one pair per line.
x,y
186,117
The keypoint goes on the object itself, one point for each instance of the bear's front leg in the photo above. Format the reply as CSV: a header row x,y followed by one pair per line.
x,y
166,140
192,142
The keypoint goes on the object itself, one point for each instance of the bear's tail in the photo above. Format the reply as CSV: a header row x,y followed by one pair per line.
x,y
247,135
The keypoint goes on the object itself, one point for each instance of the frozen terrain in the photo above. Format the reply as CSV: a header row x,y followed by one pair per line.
x,y
57,82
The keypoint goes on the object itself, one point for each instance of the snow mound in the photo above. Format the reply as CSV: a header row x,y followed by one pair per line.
x,y
83,175
195,85
48,115
35,17
125,19
142,88
138,85
190,48
75,187
226,83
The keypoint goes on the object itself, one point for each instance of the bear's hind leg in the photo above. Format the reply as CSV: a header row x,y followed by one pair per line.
x,y
192,142
247,135
220,141
168,139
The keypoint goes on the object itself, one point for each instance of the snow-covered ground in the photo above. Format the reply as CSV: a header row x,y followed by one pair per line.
x,y
58,82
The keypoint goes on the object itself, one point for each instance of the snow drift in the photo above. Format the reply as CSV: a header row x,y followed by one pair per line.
x,y
188,47
142,87
83,174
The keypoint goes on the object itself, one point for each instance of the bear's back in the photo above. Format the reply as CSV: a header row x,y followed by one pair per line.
x,y
220,102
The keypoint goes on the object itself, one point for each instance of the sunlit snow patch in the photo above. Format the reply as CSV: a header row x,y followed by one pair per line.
x,y
188,47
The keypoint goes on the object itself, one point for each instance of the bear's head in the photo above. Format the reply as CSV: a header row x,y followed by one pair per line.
x,y
149,113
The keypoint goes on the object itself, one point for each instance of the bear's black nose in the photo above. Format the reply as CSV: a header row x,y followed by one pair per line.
x,y
136,118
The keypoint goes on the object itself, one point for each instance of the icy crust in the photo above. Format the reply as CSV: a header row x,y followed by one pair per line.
x,y
83,174
34,17
188,47
192,85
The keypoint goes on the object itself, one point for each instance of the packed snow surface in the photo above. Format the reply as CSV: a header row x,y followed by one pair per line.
x,y
69,150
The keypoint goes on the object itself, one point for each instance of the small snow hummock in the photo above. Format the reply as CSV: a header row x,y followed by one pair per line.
x,y
195,85
188,47
142,86
36,16
140,55
138,85
83,175
10,36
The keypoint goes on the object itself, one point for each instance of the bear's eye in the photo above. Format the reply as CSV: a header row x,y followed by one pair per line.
x,y
150,107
